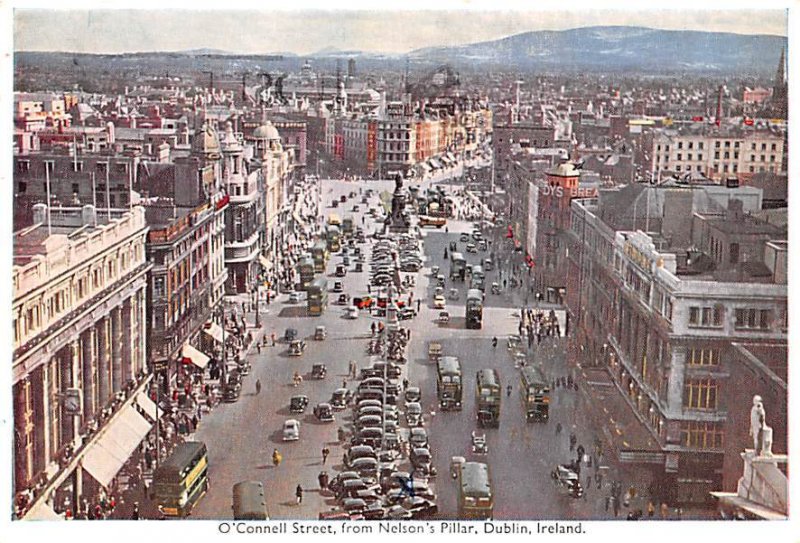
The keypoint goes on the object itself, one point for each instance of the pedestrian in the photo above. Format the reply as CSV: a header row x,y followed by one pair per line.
x,y
195,421
298,492
615,503
598,478
494,342
323,480
405,383
274,339
372,327
325,452
258,386
258,348
664,511
651,509
135,514
572,441
418,304
558,428
508,390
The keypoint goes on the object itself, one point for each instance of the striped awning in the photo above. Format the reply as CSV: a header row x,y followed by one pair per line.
x,y
115,445
42,511
197,358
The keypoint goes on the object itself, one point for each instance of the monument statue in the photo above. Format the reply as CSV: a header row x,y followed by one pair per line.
x,y
759,431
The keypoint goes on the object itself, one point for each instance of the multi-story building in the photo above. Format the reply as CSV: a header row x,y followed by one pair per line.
x,y
80,350
244,217
186,244
669,290
717,154
37,111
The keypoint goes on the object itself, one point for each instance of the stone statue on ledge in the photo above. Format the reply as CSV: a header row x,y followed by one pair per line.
x,y
759,431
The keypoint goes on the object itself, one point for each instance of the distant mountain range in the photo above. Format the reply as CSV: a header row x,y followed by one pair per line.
x,y
620,48
588,49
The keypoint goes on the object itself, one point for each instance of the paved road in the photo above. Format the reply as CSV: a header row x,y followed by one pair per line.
x,y
242,435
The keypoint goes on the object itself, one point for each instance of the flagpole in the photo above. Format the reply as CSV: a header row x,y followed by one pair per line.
x,y
108,192
49,203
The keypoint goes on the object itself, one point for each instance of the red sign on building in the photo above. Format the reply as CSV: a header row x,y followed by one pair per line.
x,y
372,144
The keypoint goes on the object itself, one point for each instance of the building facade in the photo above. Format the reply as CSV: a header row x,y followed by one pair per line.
x,y
662,317
80,343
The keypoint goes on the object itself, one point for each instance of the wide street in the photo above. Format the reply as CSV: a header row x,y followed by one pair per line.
x,y
242,435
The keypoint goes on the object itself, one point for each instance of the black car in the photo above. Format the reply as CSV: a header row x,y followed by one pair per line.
x,y
231,393
290,335
420,508
298,404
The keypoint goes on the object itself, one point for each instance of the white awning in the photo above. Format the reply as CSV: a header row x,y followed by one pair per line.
x,y
146,404
214,331
42,511
115,445
297,218
265,262
198,359
451,157
425,166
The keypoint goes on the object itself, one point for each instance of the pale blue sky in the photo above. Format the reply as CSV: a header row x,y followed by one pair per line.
x,y
306,31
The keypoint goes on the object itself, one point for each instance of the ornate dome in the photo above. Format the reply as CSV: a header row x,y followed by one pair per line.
x,y
266,131
206,142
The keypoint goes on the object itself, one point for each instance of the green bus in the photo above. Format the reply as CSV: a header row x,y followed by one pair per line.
x,y
334,238
348,225
319,252
488,393
305,269
475,497
317,292
182,479
448,383
249,502
474,309
535,394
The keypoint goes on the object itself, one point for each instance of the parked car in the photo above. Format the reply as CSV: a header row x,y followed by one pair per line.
x,y
413,394
291,430
294,298
418,437
413,414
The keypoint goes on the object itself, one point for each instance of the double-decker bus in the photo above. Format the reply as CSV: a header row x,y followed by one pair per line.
x,y
249,502
348,225
319,253
488,393
317,293
475,496
458,266
182,479
478,278
333,236
449,383
535,394
474,309
305,269
334,219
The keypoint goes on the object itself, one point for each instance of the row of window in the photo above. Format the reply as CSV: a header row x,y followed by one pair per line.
x,y
702,435
700,393
746,318
718,144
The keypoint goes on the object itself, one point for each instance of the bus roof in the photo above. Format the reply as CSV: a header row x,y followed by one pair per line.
x,y
475,479
181,456
532,375
249,502
474,293
449,365
488,377
319,282
456,256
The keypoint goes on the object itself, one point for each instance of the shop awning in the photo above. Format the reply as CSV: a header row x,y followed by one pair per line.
x,y
265,262
444,160
42,511
451,157
214,331
147,405
115,445
425,166
435,163
297,218
198,359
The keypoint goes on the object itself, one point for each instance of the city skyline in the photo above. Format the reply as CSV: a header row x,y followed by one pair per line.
x,y
306,32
